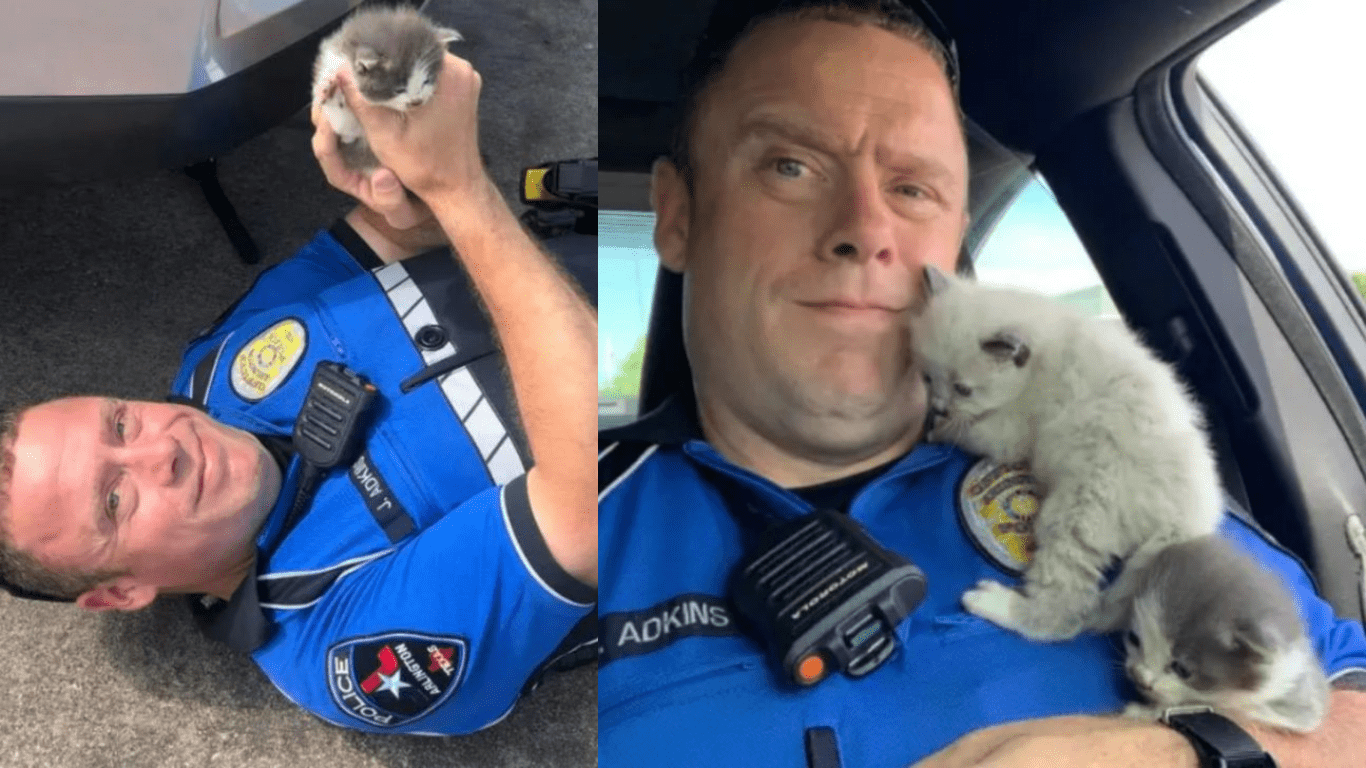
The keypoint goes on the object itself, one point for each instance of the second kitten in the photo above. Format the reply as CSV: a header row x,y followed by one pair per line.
x,y
1210,626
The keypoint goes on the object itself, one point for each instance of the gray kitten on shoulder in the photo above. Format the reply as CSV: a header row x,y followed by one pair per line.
x,y
1108,430
394,55
1208,625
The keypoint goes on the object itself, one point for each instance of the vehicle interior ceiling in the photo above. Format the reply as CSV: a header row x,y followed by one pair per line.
x,y
1065,88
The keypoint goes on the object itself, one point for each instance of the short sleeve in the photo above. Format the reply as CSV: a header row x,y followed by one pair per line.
x,y
440,636
1340,643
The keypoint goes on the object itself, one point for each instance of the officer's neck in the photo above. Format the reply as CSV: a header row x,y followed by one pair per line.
x,y
245,562
789,463
224,587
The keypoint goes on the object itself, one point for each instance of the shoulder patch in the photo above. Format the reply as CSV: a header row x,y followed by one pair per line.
x,y
265,362
394,678
996,505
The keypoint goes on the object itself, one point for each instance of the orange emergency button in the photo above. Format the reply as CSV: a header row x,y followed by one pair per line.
x,y
811,669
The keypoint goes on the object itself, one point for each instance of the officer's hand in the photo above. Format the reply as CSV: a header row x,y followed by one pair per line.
x,y
1068,742
381,191
434,147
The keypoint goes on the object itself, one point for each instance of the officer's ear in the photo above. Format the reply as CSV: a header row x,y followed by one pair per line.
x,y
119,594
670,200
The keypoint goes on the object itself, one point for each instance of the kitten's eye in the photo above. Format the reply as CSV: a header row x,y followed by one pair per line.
x,y
962,389
1132,639
1179,669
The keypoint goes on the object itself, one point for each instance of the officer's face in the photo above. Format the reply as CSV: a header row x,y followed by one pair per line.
x,y
830,168
162,492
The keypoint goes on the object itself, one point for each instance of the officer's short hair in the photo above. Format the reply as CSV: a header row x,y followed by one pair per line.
x,y
20,572
726,30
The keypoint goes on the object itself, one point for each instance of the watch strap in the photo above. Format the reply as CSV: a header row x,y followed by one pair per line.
x,y
1218,741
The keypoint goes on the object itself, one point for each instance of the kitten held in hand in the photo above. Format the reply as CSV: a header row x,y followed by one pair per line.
x,y
1108,430
1208,625
394,55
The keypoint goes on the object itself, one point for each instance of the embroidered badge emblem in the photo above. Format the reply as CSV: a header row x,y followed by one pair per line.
x,y
996,505
394,678
267,360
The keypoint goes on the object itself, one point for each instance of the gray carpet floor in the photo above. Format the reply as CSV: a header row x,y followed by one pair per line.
x,y
101,283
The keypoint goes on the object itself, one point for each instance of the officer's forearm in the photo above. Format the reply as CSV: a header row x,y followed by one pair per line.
x,y
1080,741
548,333
1074,741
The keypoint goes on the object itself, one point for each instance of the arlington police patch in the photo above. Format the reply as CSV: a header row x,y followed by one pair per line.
x,y
263,363
394,678
996,505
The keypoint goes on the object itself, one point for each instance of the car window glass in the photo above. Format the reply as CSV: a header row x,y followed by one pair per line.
x,y
627,265
1290,77
1033,246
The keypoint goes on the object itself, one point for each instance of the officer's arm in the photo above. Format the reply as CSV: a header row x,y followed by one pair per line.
x,y
547,330
1074,742
548,334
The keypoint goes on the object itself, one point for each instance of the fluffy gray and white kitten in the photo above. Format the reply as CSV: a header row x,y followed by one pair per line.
x,y
394,54
1110,433
1208,625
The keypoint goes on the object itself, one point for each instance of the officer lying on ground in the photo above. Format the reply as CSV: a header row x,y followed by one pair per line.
x,y
419,587
822,166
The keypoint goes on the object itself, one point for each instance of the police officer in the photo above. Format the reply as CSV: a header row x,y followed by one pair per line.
x,y
821,167
417,578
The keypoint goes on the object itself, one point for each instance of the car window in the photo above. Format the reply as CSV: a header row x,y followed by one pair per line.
x,y
1295,104
1033,246
627,265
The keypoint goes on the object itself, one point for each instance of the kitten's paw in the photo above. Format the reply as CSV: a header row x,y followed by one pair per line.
x,y
1140,711
993,601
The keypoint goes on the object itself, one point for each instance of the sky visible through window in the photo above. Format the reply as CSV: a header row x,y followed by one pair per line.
x,y
626,276
1293,78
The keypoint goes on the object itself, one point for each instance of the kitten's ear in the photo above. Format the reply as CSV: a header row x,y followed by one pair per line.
x,y
447,35
1007,345
936,282
1249,640
366,58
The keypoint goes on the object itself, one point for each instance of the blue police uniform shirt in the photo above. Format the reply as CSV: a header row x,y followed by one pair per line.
x,y
679,684
415,594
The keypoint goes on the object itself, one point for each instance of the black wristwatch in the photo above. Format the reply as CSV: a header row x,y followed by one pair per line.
x,y
1218,741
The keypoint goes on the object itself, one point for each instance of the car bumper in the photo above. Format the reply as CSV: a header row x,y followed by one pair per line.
x,y
63,139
